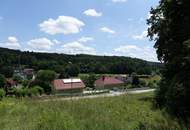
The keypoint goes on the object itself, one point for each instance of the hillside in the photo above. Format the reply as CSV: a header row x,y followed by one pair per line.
x,y
86,63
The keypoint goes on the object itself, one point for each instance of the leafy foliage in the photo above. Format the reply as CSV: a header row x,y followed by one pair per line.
x,y
2,94
7,71
46,75
169,27
2,81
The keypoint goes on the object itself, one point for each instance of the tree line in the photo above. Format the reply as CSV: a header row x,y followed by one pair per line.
x,y
82,63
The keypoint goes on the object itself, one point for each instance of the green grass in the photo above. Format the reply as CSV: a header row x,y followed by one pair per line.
x,y
128,112
156,78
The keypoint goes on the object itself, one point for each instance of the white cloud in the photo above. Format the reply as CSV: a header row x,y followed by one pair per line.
x,y
40,44
12,43
92,12
107,30
76,48
141,36
63,24
119,1
146,53
85,39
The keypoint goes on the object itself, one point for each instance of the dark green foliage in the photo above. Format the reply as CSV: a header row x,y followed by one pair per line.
x,y
27,92
44,79
39,90
135,80
45,85
17,78
170,23
25,83
7,71
142,83
89,80
85,63
70,71
46,75
2,94
20,92
2,81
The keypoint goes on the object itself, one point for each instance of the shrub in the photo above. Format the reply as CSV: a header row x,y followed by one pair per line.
x,y
129,86
2,94
25,83
143,83
135,81
152,84
2,81
17,78
40,89
45,85
20,92
33,91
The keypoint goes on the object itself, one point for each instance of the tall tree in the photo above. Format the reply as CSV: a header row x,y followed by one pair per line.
x,y
170,28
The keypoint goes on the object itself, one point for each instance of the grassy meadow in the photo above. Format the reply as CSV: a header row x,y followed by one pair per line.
x,y
128,112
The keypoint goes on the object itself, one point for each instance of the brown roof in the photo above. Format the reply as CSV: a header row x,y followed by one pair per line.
x,y
29,71
107,81
59,84
11,82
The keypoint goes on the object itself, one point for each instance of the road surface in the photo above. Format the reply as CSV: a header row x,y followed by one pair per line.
x,y
111,94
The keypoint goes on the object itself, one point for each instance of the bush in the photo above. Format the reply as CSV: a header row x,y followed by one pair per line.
x,y
46,75
40,89
25,83
2,81
17,78
143,83
45,85
2,94
152,84
129,86
33,91
20,92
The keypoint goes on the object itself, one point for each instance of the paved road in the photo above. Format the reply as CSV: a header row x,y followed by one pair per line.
x,y
111,94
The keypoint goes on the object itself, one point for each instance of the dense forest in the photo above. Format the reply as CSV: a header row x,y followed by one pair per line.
x,y
85,63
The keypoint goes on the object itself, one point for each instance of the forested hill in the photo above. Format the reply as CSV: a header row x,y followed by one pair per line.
x,y
86,63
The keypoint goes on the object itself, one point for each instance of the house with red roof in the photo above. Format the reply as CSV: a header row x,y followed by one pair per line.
x,y
73,85
106,82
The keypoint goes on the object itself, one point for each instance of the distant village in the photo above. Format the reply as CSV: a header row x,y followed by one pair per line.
x,y
48,82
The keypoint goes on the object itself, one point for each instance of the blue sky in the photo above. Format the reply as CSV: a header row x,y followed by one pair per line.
x,y
98,27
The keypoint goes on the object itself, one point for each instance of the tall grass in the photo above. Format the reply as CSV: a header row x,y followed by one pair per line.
x,y
128,112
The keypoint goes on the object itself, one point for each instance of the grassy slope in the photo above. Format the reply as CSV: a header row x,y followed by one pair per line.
x,y
129,112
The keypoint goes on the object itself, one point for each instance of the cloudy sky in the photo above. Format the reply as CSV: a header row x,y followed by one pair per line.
x,y
98,27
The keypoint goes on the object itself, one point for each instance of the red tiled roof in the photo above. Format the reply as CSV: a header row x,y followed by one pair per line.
x,y
60,85
108,81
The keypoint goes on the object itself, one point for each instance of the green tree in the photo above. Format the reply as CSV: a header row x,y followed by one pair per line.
x,y
17,78
71,70
2,81
170,28
7,71
90,80
46,75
